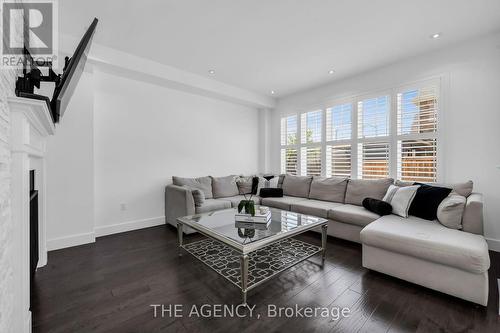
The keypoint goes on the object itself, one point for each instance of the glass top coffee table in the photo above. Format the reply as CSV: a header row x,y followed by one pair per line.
x,y
249,254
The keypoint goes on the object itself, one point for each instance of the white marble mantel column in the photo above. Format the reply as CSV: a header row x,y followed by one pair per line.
x,y
31,124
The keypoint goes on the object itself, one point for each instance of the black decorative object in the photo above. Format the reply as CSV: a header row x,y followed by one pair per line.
x,y
377,206
427,200
271,192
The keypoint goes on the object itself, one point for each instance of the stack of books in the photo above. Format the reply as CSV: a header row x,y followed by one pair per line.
x,y
262,215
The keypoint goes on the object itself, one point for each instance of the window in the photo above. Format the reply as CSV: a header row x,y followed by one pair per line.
x,y
338,122
417,160
289,164
373,117
338,161
311,127
392,134
339,139
311,161
417,128
289,131
311,135
373,160
289,152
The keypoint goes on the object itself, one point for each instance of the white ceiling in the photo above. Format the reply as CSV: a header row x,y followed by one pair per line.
x,y
281,45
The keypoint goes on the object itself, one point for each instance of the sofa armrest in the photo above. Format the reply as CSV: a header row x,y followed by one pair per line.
x,y
472,220
178,202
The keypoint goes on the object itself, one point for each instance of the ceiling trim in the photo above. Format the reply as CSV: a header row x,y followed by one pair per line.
x,y
125,64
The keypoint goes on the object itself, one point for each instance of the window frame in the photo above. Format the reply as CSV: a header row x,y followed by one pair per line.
x,y
392,138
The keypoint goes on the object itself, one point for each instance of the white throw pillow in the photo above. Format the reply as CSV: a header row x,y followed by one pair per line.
x,y
400,198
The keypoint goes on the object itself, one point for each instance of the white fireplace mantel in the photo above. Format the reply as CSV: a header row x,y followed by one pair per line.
x,y
31,124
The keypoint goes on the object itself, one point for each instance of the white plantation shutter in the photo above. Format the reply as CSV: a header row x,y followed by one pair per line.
x,y
373,160
338,122
417,111
338,161
311,126
310,161
373,117
289,130
417,125
392,134
289,162
417,160
289,150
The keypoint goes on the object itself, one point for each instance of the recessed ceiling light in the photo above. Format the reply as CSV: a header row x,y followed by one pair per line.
x,y
331,71
436,35
273,92
211,71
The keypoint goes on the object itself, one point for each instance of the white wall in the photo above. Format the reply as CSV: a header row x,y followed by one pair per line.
x,y
145,134
70,172
470,110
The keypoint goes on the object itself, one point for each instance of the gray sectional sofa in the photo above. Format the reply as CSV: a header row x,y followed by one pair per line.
x,y
453,261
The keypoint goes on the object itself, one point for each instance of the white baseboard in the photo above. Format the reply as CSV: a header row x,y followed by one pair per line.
x,y
69,241
128,226
493,244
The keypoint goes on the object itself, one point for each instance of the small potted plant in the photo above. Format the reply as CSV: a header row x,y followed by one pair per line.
x,y
248,204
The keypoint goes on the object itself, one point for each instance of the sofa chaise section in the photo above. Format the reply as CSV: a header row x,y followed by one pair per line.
x,y
429,254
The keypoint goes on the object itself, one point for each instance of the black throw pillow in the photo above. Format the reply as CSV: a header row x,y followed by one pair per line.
x,y
255,185
427,200
377,206
271,192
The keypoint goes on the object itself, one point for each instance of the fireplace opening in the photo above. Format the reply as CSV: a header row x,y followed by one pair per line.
x,y
33,231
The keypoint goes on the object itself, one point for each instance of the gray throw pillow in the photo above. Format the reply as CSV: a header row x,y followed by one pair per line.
x,y
451,210
328,189
358,189
244,184
198,196
297,186
202,183
224,187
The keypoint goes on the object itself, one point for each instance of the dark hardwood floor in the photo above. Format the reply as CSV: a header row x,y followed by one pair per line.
x,y
109,286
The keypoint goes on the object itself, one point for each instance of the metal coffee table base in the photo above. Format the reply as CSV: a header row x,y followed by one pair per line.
x,y
249,270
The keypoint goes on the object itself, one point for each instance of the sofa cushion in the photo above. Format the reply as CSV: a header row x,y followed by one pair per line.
x,y
376,206
451,210
281,203
314,207
271,192
202,183
352,214
463,189
358,189
400,198
198,195
224,186
296,186
237,198
212,204
428,240
427,200
328,189
244,184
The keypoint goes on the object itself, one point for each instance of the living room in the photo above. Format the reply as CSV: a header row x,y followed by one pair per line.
x,y
367,143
